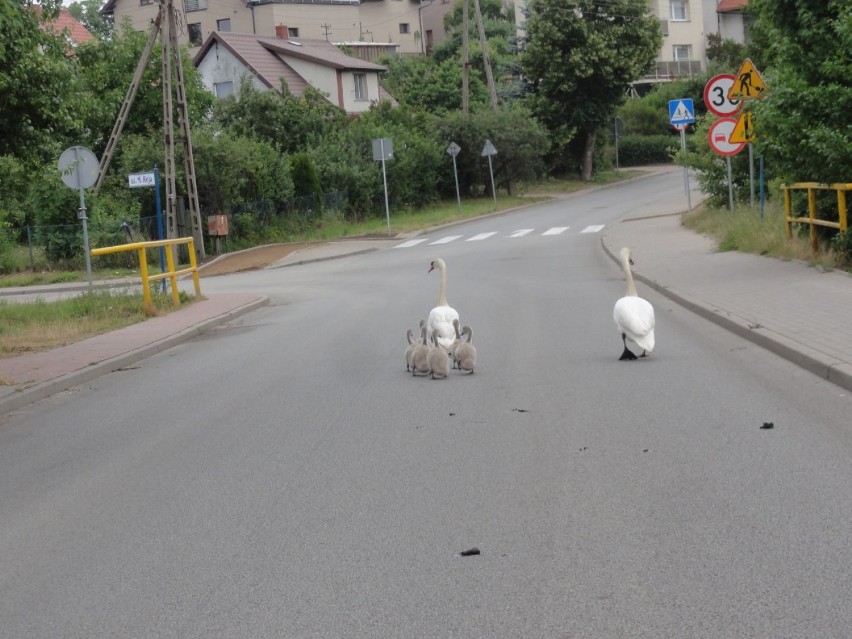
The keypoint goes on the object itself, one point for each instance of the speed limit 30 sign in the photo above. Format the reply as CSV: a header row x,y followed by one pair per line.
x,y
716,95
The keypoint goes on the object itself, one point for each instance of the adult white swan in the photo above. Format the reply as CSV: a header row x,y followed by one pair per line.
x,y
633,315
440,320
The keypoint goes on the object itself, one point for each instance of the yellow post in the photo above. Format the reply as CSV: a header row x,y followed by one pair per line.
x,y
812,216
193,266
841,206
788,212
143,271
170,265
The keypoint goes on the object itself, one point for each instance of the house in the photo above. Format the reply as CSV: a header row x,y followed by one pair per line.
x,y
67,26
226,58
409,27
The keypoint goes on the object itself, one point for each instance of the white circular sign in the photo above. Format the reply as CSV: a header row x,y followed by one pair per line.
x,y
79,167
716,95
719,137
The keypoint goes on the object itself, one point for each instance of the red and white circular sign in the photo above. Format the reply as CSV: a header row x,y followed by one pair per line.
x,y
719,137
716,95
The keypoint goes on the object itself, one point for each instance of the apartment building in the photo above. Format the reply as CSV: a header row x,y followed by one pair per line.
x,y
409,27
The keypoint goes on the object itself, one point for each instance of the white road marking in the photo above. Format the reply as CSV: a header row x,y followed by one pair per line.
x,y
521,232
446,240
481,236
556,230
595,228
410,243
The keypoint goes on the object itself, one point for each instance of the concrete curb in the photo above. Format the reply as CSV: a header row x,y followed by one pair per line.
x,y
46,389
835,371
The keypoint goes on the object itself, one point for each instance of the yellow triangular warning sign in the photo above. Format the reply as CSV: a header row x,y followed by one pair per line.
x,y
743,129
748,84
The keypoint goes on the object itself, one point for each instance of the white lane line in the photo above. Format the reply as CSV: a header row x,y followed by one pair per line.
x,y
445,240
594,228
521,232
481,236
556,230
410,243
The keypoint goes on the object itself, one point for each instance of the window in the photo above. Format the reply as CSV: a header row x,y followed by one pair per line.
x,y
679,10
404,27
361,86
144,2
194,5
292,32
223,25
682,52
194,31
223,89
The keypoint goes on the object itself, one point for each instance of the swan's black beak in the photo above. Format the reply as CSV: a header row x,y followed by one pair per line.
x,y
431,267
631,261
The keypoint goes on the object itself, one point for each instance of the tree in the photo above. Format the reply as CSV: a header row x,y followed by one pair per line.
x,y
38,90
88,13
578,58
804,51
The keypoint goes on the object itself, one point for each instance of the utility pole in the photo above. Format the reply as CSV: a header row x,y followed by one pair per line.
x,y
327,29
486,62
465,60
165,26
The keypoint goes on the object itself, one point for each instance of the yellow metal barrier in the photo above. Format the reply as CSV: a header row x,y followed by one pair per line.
x,y
811,219
170,272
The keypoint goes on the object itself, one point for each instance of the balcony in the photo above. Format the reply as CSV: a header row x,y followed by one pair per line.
x,y
666,70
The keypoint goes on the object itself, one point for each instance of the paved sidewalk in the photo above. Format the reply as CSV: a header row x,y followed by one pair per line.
x,y
799,312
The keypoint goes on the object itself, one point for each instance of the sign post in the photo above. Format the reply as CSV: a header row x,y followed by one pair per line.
x,y
488,150
681,113
80,169
719,137
152,179
383,150
453,150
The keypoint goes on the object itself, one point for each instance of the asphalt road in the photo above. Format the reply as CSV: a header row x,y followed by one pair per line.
x,y
284,477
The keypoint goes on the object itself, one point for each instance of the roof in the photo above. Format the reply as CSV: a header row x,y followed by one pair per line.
x,y
265,57
727,6
66,22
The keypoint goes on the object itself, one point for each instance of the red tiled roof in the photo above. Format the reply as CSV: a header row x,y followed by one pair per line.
x,y
726,6
67,23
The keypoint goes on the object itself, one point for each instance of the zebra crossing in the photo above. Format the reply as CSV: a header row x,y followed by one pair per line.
x,y
479,237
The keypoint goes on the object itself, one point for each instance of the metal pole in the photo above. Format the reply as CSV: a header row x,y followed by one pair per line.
x,y
615,126
762,194
493,188
685,169
730,186
82,215
385,180
159,220
751,173
456,174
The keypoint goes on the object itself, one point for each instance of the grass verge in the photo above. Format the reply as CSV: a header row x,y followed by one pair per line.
x,y
41,325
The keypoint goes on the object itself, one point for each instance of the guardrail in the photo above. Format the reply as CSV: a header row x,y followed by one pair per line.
x,y
170,271
811,219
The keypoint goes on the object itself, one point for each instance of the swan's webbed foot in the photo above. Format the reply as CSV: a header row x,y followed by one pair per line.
x,y
644,354
627,354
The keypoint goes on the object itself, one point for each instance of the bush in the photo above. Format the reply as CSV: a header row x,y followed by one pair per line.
x,y
636,150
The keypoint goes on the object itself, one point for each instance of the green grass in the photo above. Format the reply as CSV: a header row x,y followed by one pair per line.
x,y
39,325
744,230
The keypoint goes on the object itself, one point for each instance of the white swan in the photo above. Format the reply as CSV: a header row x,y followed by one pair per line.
x,y
440,321
633,315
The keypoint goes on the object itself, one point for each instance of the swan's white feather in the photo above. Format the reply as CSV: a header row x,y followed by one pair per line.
x,y
440,323
634,317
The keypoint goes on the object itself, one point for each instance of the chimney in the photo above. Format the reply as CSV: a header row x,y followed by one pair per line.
x,y
281,31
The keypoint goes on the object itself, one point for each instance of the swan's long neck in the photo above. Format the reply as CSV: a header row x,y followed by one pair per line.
x,y
469,332
628,274
442,289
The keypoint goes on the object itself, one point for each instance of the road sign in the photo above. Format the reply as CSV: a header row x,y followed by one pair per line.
x,y
716,95
488,149
453,149
748,83
79,167
141,180
681,111
719,137
743,129
382,149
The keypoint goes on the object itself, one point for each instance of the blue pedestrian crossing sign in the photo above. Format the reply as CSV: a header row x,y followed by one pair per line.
x,y
681,111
